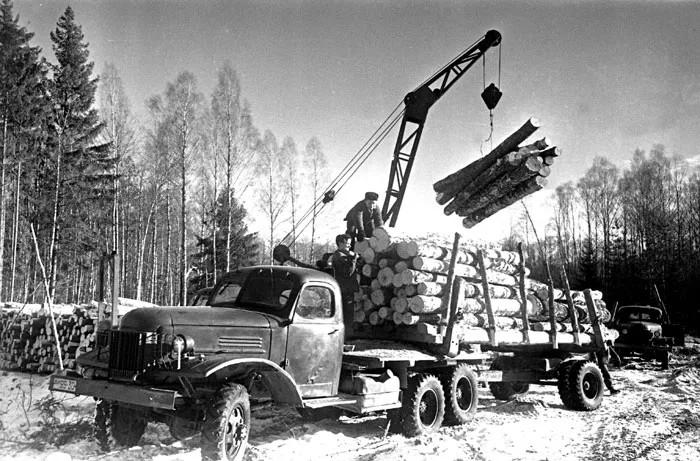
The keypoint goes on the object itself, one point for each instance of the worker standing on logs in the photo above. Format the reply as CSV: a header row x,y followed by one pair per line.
x,y
363,218
343,263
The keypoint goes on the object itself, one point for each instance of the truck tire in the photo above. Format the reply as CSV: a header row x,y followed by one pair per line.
x,y
663,357
461,394
423,406
585,385
506,390
224,435
117,426
563,383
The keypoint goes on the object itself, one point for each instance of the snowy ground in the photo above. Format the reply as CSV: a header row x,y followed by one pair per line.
x,y
655,417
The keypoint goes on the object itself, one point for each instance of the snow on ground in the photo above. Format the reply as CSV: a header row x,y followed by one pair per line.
x,y
656,417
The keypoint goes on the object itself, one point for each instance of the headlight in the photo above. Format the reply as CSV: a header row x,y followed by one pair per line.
x,y
624,331
182,344
657,333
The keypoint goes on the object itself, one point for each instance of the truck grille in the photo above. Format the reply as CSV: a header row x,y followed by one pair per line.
x,y
131,353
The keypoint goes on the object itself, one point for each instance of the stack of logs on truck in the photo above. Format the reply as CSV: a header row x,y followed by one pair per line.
x,y
495,181
408,287
424,292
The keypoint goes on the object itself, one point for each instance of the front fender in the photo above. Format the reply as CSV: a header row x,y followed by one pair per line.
x,y
280,383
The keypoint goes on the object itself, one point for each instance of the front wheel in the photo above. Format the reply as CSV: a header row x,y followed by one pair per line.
x,y
461,394
117,426
424,405
224,434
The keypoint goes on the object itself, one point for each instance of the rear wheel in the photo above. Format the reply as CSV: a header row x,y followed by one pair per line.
x,y
117,426
461,394
423,408
585,386
563,383
226,425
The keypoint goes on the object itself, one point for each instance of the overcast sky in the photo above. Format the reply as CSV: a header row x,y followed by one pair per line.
x,y
603,78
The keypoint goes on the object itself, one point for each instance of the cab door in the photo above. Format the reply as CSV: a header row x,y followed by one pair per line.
x,y
315,341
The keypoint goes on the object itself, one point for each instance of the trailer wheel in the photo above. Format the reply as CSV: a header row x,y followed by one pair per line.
x,y
506,390
224,435
117,426
585,385
424,405
461,394
563,383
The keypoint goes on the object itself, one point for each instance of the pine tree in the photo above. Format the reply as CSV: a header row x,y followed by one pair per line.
x,y
22,112
72,91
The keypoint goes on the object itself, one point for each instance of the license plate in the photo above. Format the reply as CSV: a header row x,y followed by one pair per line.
x,y
63,384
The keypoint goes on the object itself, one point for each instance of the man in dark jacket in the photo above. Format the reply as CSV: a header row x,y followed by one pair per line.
x,y
343,262
363,218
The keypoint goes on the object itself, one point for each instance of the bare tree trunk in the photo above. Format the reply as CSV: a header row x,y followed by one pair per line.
x,y
54,226
2,201
154,251
142,251
168,270
183,226
15,233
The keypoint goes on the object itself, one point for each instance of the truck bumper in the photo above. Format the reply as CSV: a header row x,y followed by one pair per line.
x,y
135,395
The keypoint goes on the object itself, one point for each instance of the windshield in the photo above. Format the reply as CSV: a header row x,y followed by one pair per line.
x,y
263,290
651,315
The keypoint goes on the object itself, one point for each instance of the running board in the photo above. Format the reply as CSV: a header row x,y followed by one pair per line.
x,y
358,403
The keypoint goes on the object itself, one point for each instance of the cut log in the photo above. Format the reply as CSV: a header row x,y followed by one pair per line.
x,y
464,204
430,288
385,277
449,186
425,304
410,276
520,191
380,297
495,181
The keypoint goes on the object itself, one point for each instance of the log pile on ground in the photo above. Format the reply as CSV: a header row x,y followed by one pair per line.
x,y
507,174
407,293
28,342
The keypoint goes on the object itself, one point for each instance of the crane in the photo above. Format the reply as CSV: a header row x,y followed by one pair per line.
x,y
418,103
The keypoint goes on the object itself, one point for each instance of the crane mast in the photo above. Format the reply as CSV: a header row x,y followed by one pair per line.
x,y
417,103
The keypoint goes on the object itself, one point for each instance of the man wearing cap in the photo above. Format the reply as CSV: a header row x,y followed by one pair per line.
x,y
363,218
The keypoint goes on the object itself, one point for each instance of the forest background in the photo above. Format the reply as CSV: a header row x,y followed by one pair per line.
x,y
82,178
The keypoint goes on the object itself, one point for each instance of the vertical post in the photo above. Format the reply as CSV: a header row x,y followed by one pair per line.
x,y
573,313
487,299
451,300
523,296
552,318
115,288
598,339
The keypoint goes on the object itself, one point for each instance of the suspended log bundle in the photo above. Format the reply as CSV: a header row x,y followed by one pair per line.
x,y
410,296
507,174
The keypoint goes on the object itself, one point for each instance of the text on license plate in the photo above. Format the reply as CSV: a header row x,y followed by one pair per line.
x,y
62,384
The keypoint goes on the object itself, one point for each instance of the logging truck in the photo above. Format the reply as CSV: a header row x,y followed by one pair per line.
x,y
280,328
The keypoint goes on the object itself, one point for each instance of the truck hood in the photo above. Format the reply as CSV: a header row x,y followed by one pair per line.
x,y
150,319
213,329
